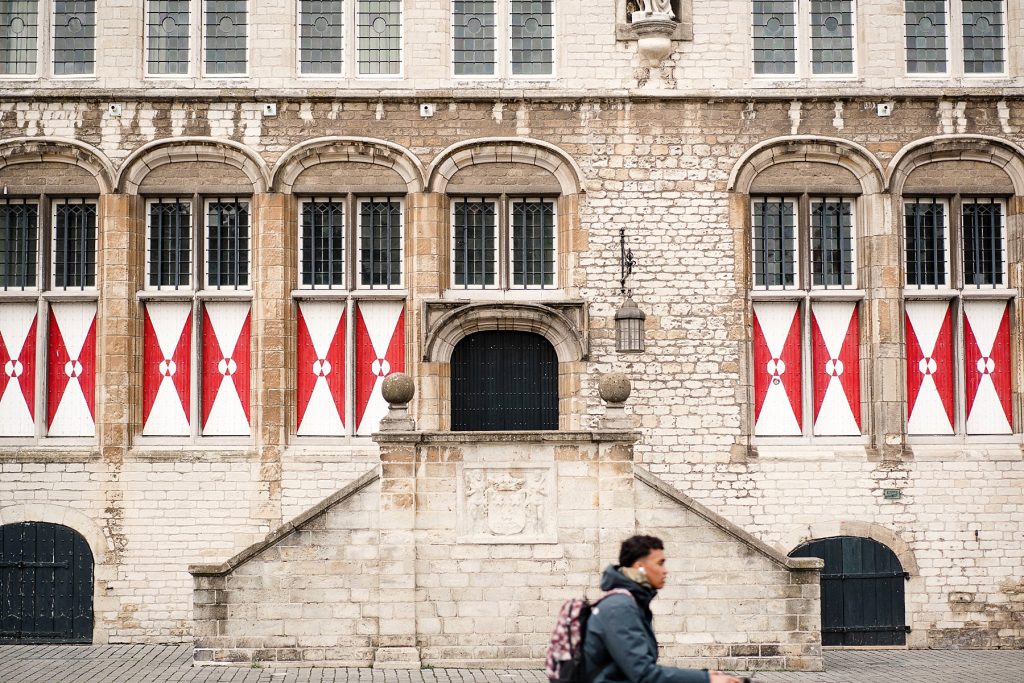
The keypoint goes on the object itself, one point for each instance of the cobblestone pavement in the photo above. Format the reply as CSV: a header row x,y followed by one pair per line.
x,y
159,663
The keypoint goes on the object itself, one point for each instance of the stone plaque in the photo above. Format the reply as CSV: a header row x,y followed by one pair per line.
x,y
507,504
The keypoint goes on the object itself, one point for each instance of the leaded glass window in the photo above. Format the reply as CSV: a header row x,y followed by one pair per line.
x,y
926,36
19,31
74,244
74,37
474,33
533,243
320,48
474,242
832,36
774,37
831,243
983,242
380,243
19,244
167,31
322,250
226,35
380,37
925,237
227,243
532,37
984,35
774,242
169,248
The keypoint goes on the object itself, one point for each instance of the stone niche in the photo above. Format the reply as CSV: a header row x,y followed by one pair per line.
x,y
461,548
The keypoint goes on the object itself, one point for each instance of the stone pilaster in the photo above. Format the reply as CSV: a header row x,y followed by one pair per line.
x,y
426,281
882,318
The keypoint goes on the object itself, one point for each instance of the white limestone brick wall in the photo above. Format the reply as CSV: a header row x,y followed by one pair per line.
x,y
311,473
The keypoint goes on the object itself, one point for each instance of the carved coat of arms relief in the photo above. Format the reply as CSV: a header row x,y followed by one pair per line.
x,y
507,505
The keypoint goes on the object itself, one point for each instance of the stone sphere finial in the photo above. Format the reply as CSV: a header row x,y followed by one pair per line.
x,y
614,387
398,388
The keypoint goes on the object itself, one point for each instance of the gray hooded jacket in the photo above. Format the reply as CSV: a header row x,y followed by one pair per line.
x,y
620,646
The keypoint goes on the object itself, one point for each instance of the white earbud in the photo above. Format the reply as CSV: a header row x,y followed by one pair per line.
x,y
641,570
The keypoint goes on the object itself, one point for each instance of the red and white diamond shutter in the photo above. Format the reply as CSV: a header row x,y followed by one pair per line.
x,y
71,370
320,369
987,370
929,367
226,376
836,368
166,372
18,366
777,410
380,351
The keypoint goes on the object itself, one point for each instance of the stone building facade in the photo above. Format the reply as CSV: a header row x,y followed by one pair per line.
x,y
695,157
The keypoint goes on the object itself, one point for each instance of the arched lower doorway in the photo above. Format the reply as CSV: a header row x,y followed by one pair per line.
x,y
504,380
862,591
46,573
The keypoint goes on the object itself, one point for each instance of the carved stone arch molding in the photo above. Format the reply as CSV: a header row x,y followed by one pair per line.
x,y
809,148
334,149
876,532
93,534
192,149
31,150
505,150
555,325
1004,154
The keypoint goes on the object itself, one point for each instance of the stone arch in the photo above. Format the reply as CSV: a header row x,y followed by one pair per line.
x,y
982,148
341,148
190,149
791,148
505,150
62,151
451,328
876,532
98,542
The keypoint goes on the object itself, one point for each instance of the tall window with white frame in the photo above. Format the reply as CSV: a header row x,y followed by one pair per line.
x,y
956,297
528,30
830,25
832,37
984,31
74,37
350,312
379,37
196,361
775,26
926,22
474,33
320,37
226,36
19,36
504,242
167,37
48,380
532,37
981,42
805,316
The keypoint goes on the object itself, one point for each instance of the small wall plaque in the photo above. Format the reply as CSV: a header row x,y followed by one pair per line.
x,y
892,494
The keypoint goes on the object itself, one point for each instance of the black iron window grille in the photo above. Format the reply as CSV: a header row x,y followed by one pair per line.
x,y
774,242
74,244
322,232
533,37
167,32
19,244
320,36
474,34
832,255
926,36
984,36
774,37
533,243
226,37
169,263
19,31
74,37
380,243
379,47
984,251
227,243
474,234
832,37
925,233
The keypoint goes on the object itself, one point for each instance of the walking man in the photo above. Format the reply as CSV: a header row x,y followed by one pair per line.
x,y
620,645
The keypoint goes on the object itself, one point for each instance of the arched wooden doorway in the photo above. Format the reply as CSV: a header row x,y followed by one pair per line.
x,y
504,380
862,591
46,573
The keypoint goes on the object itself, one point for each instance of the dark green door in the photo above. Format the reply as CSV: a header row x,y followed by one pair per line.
x,y
504,380
862,591
46,575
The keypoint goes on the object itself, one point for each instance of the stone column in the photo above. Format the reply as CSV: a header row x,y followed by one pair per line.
x,y
426,281
883,323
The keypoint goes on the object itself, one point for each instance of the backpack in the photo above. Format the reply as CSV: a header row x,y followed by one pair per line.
x,y
564,663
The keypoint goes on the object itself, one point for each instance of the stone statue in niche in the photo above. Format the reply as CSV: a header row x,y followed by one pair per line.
x,y
650,9
508,504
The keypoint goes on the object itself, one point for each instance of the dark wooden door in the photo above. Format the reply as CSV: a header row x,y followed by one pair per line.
x,y
862,592
504,380
46,575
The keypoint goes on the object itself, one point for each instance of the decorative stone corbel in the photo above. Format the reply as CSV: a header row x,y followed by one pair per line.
x,y
654,26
